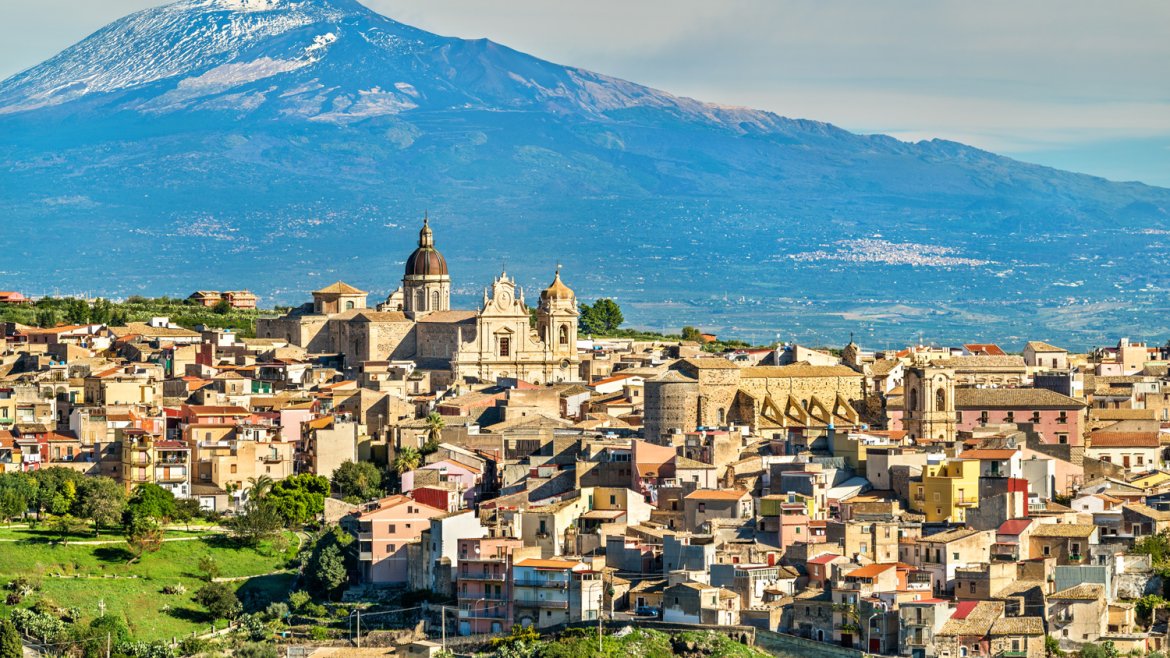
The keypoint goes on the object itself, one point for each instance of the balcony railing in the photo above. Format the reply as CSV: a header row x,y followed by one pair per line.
x,y
483,575
967,501
366,556
562,584
542,603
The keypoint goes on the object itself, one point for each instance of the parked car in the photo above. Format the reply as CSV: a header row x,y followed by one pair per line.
x,y
646,611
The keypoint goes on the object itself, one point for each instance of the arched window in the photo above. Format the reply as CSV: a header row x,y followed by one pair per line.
x,y
418,300
913,399
349,306
722,416
434,300
564,334
940,400
505,346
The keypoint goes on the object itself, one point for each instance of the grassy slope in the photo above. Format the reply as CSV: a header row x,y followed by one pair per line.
x,y
646,644
151,614
138,309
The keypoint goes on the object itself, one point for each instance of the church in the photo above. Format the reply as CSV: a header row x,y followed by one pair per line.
x,y
416,323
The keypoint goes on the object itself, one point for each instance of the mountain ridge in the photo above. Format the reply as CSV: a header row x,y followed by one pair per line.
x,y
288,141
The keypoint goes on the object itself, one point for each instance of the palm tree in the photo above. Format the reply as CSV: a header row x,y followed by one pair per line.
x,y
435,425
407,459
260,487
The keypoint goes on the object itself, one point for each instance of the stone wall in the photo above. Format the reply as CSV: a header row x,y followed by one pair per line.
x,y
670,404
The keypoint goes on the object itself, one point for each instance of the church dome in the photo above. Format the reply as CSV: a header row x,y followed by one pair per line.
x,y
426,260
557,290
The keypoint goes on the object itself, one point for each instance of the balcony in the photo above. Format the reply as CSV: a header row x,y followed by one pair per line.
x,y
542,603
559,584
483,575
366,556
365,536
967,501
484,612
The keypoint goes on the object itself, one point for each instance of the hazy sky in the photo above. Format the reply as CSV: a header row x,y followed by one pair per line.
x,y
1077,84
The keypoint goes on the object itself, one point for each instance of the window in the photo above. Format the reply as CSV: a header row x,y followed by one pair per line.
x,y
702,507
1047,551
435,300
940,400
1035,416
955,556
613,500
564,339
983,417
914,399
971,586
505,346
349,306
392,528
1011,416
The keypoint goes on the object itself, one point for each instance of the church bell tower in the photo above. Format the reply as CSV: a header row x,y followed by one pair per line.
x,y
426,285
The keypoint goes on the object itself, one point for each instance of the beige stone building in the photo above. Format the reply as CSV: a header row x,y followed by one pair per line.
x,y
416,323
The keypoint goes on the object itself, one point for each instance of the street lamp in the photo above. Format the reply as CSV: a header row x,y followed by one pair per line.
x,y
869,625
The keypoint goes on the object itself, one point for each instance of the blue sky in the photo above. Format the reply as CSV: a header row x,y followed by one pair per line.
x,y
1077,84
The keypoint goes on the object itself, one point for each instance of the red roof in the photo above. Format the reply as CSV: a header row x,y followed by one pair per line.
x,y
1014,526
823,559
963,609
990,349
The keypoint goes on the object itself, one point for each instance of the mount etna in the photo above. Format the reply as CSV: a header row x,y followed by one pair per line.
x,y
283,144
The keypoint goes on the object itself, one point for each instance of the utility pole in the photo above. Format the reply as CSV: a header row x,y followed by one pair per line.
x,y
600,607
107,644
359,628
443,625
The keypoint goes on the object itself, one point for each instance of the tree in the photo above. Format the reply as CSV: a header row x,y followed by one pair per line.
x,y
101,312
220,600
299,499
56,489
257,522
107,630
46,318
18,492
153,501
407,459
143,534
691,334
604,317
328,570
76,311
208,567
1052,647
435,425
259,487
222,307
10,644
101,500
357,481
185,510
64,525
1104,650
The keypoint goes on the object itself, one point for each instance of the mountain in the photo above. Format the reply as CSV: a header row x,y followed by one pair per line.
x,y
279,144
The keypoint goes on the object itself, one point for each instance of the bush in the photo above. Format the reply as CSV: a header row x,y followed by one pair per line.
x,y
316,610
193,645
256,650
276,611
299,599
177,588
253,627
319,633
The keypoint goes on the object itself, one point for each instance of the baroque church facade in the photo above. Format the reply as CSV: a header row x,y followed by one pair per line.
x,y
416,323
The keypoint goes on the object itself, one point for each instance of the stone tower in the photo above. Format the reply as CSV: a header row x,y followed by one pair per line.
x,y
556,319
930,402
426,285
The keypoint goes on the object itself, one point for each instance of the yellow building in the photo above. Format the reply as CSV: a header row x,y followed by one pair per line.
x,y
146,458
945,491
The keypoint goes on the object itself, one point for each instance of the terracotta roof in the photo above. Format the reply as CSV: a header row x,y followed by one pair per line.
x,y
1039,346
1014,526
1106,439
1064,530
1017,398
870,571
1082,592
824,558
340,288
208,410
799,370
1018,626
988,349
716,494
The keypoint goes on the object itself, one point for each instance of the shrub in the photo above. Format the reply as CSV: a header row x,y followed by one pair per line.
x,y
256,650
299,599
193,645
276,611
319,633
253,627
177,588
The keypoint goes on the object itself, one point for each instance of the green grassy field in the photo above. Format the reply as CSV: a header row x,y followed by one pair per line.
x,y
81,576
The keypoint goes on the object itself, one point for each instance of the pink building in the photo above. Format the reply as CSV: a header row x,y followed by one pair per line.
x,y
1053,417
794,524
467,478
384,532
483,584
291,419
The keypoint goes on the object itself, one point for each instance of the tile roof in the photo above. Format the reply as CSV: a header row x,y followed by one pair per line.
x,y
547,564
962,362
1018,626
1107,439
870,571
1018,398
710,363
987,349
1039,346
1014,526
949,535
1064,530
989,453
799,370
716,494
972,618
1082,592
340,288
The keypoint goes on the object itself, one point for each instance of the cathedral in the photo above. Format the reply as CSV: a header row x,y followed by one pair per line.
x,y
416,323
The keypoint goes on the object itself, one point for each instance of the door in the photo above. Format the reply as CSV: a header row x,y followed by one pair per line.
x,y
846,639
875,645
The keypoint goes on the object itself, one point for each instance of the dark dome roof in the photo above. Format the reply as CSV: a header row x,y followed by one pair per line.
x,y
426,260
